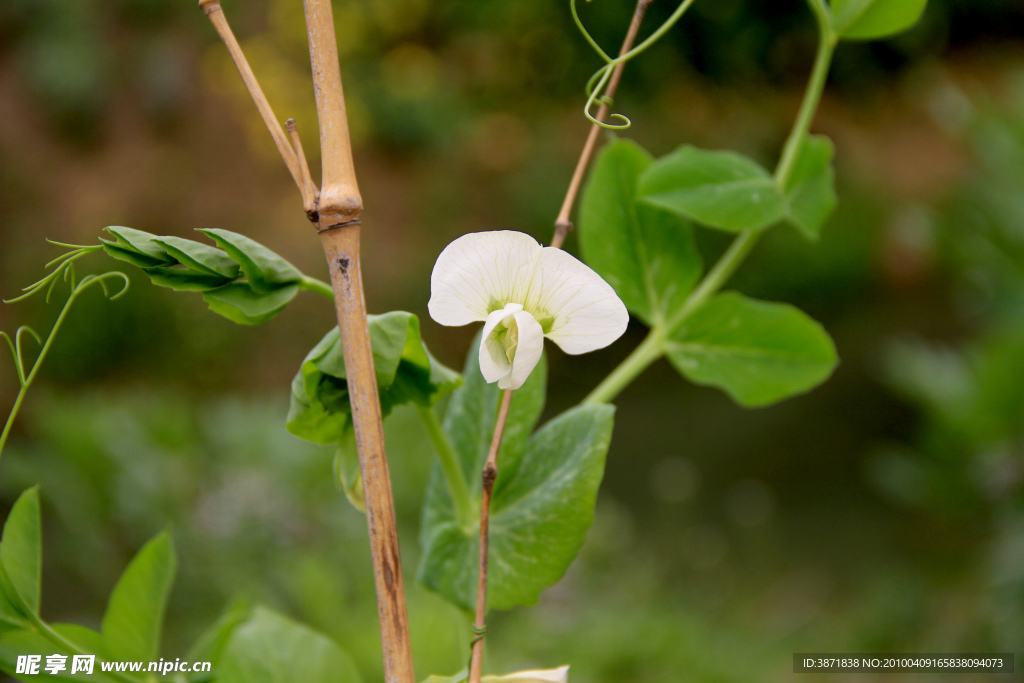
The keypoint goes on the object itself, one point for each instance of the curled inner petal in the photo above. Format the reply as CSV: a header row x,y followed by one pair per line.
x,y
510,347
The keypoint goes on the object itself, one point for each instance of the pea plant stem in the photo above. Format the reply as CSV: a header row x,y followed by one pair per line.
x,y
487,476
449,465
656,343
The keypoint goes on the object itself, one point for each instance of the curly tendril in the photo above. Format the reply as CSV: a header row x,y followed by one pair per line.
x,y
596,84
63,271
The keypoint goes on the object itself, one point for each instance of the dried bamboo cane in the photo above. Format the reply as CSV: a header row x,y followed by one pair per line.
x,y
338,223
337,217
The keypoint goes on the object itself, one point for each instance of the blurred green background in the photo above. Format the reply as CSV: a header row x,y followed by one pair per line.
x,y
882,512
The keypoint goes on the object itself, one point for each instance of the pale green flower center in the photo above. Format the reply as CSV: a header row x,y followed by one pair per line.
x,y
507,335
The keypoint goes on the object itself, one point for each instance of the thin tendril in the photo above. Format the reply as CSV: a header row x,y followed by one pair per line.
x,y
102,280
607,69
62,257
89,247
17,345
602,75
17,358
61,265
586,34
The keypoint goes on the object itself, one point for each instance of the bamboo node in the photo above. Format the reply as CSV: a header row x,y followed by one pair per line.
x,y
341,224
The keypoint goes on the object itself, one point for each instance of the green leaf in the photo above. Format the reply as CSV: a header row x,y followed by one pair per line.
x,y
133,257
543,500
405,370
647,255
811,188
85,638
132,623
265,270
140,243
873,19
720,189
270,648
199,256
239,303
758,352
21,556
347,473
186,279
211,644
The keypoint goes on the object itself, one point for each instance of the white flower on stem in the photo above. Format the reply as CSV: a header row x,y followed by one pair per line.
x,y
522,292
559,675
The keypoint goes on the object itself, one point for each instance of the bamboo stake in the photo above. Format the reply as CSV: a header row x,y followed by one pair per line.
x,y
339,211
340,200
216,16
310,193
563,226
337,217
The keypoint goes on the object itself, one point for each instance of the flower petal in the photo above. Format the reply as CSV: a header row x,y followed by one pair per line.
x,y
529,349
559,675
494,364
479,273
511,345
578,309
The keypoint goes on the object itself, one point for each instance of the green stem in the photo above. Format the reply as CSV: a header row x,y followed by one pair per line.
x,y
651,349
311,284
802,125
449,465
717,276
654,346
36,365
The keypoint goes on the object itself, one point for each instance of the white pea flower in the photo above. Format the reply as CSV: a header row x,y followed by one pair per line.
x,y
559,675
522,292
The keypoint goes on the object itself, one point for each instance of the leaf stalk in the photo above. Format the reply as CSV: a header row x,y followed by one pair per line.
x,y
449,465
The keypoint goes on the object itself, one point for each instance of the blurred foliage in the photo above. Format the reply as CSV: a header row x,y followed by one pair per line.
x,y
967,460
418,69
253,512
